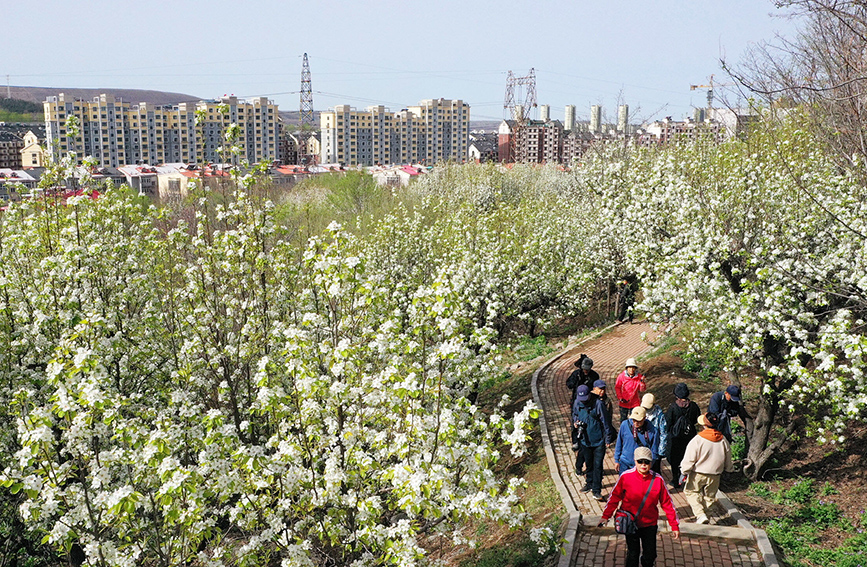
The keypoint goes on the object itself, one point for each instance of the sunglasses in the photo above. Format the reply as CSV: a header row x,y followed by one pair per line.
x,y
643,462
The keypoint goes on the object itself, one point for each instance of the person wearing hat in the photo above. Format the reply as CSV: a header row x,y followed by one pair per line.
x,y
588,414
629,493
681,418
707,455
628,388
582,375
656,416
727,404
600,389
635,432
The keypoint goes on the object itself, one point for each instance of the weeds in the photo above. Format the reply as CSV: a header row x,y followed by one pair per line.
x,y
802,527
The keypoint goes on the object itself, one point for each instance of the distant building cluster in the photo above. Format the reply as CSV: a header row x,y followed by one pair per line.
x,y
552,141
170,182
433,131
19,146
116,132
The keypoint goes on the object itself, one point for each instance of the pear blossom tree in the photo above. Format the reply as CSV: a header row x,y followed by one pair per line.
x,y
759,248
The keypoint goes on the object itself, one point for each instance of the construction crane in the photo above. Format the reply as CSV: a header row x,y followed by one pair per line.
x,y
709,88
519,109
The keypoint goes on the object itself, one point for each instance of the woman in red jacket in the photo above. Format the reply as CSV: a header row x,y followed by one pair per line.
x,y
630,491
629,388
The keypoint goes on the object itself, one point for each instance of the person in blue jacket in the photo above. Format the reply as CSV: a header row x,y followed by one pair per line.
x,y
588,415
636,431
727,404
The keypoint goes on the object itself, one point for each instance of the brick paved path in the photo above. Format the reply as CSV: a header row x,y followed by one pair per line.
x,y
721,543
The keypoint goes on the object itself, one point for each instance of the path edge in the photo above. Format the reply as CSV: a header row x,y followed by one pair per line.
x,y
575,516
763,542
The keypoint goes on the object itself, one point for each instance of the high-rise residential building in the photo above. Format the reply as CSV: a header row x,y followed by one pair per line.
x,y
435,130
622,118
117,133
569,121
596,118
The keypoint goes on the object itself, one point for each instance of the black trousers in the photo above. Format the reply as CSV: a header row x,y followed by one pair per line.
x,y
641,544
676,451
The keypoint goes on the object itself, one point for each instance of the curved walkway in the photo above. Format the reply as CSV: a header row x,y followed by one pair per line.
x,y
729,540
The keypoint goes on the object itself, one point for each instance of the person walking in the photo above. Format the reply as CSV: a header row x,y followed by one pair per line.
x,y
590,411
641,492
656,416
635,432
682,415
600,388
628,388
626,291
707,455
727,404
582,375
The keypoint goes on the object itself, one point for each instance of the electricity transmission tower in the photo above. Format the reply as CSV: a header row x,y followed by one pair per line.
x,y
519,107
306,113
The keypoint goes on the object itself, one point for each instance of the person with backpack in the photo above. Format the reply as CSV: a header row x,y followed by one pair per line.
x,y
589,411
640,492
656,416
727,404
628,388
707,456
681,416
582,375
635,432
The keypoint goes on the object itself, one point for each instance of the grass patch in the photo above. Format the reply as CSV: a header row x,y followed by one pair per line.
x,y
802,529
529,348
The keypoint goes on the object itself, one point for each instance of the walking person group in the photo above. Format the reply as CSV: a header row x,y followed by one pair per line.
x,y
697,446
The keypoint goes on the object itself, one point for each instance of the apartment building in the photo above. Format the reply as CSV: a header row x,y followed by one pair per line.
x,y
435,130
117,133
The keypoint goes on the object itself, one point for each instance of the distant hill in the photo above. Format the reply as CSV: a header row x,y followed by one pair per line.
x,y
290,117
39,94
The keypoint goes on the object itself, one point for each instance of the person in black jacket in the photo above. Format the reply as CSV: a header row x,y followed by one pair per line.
x,y
584,375
681,417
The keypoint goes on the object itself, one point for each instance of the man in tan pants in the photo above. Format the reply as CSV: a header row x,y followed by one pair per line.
x,y
707,455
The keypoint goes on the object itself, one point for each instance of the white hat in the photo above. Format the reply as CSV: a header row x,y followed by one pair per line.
x,y
631,362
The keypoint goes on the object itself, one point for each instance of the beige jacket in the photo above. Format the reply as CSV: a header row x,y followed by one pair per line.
x,y
707,457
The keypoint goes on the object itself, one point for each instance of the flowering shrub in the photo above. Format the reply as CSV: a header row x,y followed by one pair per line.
x,y
211,392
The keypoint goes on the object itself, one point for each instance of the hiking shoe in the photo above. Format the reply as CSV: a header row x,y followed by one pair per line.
x,y
599,497
586,488
701,519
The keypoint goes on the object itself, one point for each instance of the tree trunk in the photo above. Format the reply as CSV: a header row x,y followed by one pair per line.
x,y
762,442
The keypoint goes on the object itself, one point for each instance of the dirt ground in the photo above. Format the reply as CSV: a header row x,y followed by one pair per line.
x,y
844,470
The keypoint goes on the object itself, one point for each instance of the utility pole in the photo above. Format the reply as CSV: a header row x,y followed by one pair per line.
x,y
306,113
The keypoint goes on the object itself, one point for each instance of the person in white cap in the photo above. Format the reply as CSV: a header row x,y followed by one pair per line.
x,y
656,416
628,388
635,432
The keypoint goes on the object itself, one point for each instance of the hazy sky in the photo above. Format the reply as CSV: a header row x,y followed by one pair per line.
x,y
396,53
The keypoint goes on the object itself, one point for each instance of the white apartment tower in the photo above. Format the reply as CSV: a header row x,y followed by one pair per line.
x,y
622,117
569,119
433,131
596,118
117,133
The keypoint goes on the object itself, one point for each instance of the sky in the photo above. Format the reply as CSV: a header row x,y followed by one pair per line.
x,y
642,53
